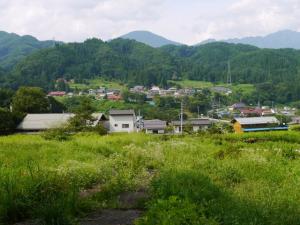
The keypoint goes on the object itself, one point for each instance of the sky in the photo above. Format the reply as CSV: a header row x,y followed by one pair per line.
x,y
185,21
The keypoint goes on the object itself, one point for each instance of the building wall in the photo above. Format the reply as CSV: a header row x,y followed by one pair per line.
x,y
197,128
238,128
155,131
116,123
177,129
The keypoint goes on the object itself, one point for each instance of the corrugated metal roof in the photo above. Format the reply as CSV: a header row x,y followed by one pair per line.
x,y
44,121
51,120
198,121
257,120
121,112
155,124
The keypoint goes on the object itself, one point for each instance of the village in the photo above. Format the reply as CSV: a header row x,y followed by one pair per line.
x,y
126,121
242,117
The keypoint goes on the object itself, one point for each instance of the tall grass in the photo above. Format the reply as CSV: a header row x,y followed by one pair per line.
x,y
221,179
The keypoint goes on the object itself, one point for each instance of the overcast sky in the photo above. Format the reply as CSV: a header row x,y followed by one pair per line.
x,y
186,21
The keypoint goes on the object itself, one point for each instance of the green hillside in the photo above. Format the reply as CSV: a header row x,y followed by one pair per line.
x,y
194,180
13,48
134,63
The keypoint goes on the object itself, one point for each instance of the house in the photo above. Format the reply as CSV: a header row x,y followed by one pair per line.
x,y
237,106
155,126
295,120
154,90
114,97
222,90
40,122
251,112
92,92
122,121
101,90
137,89
253,124
268,112
57,93
196,124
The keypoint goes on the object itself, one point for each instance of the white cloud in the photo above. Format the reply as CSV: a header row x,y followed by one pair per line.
x,y
188,21
252,18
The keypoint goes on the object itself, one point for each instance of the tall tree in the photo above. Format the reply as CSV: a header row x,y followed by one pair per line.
x,y
5,97
30,100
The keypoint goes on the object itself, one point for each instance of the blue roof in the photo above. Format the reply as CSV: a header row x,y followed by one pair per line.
x,y
265,129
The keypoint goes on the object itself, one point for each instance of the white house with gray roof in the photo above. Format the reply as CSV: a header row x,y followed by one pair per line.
x,y
196,124
122,121
155,126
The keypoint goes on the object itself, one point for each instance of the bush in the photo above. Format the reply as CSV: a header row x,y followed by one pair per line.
x,y
176,212
100,129
8,121
289,154
232,151
231,176
220,128
295,128
57,134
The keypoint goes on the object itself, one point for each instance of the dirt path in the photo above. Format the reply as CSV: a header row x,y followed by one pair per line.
x,y
112,217
128,211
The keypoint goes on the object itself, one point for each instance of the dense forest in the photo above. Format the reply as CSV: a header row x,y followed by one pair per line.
x,y
274,72
13,48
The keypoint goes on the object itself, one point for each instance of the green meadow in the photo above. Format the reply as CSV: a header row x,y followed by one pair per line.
x,y
201,179
241,88
97,83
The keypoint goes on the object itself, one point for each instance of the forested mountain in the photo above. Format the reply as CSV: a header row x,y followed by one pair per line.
x,y
14,48
274,72
125,60
149,38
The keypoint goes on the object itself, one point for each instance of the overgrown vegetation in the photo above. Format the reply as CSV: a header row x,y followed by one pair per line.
x,y
200,179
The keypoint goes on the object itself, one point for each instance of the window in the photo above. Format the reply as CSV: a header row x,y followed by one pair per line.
x,y
124,126
116,125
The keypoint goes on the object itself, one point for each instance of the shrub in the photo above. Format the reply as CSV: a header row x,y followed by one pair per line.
x,y
231,176
232,151
7,123
289,154
176,211
100,129
295,128
220,128
57,134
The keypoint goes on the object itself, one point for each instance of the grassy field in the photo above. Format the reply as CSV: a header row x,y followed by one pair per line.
x,y
96,83
216,179
194,84
245,88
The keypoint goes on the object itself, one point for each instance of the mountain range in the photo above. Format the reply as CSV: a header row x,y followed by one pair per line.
x,y
277,40
149,38
13,48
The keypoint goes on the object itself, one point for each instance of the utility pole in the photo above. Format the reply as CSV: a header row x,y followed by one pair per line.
x,y
140,121
198,108
229,76
181,118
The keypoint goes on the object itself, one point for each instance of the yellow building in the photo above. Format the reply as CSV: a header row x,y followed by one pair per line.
x,y
255,124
